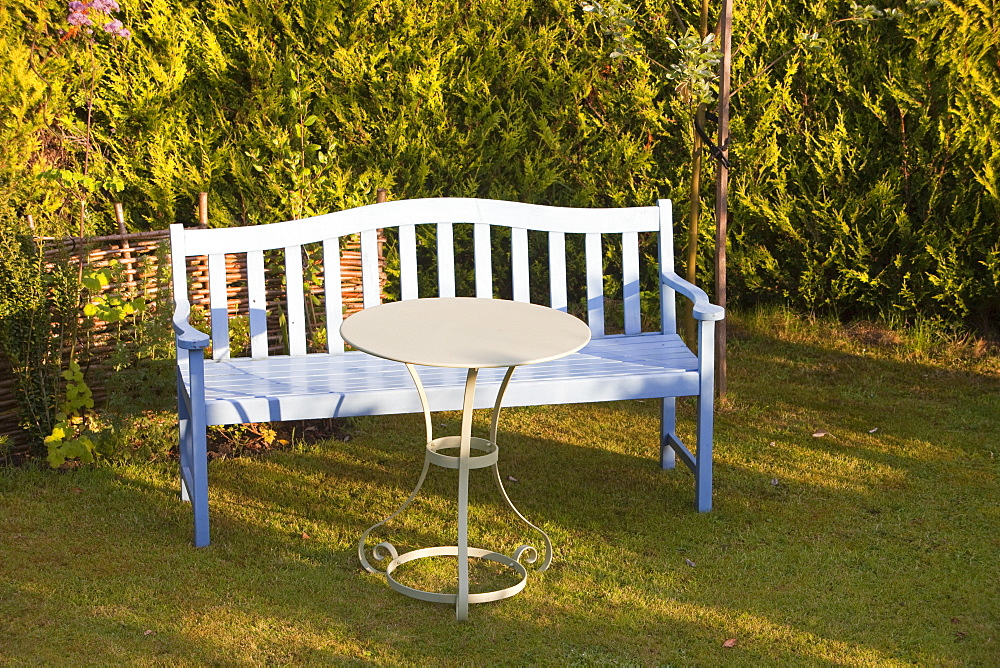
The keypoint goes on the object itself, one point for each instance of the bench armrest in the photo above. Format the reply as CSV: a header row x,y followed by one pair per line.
x,y
702,309
188,338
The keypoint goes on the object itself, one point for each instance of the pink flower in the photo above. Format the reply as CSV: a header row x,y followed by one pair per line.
x,y
106,6
80,11
79,19
116,28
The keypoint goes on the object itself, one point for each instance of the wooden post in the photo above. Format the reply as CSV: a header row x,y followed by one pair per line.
x,y
694,213
120,218
202,209
722,191
381,195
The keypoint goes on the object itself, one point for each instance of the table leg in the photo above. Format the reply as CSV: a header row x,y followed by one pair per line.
x,y
530,552
462,604
386,550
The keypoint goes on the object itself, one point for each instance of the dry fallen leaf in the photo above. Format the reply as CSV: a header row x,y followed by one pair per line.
x,y
820,434
690,563
772,444
512,479
731,642
305,536
76,490
148,632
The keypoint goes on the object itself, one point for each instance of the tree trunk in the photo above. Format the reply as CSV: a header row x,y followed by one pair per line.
x,y
722,191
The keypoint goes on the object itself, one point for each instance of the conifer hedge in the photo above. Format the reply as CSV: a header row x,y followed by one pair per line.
x,y
865,175
869,173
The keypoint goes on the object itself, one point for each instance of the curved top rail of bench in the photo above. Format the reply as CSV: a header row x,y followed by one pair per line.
x,y
420,211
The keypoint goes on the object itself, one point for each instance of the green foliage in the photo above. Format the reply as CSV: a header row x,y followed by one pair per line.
x,y
51,74
76,432
75,422
865,172
866,179
282,114
699,61
29,301
104,306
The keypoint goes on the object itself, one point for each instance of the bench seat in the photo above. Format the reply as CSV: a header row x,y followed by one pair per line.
x,y
347,384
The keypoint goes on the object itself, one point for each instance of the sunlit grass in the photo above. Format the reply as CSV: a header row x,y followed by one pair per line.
x,y
854,524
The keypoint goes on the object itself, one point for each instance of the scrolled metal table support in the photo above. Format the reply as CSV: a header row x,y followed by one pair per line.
x,y
463,463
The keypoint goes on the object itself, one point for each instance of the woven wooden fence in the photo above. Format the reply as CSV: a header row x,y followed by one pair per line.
x,y
144,269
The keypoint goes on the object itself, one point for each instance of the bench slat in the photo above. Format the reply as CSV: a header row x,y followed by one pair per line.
x,y
595,283
257,299
333,294
484,260
519,264
371,289
446,259
218,303
557,271
668,297
630,283
408,261
295,298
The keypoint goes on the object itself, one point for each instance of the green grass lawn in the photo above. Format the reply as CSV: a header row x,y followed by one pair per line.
x,y
874,544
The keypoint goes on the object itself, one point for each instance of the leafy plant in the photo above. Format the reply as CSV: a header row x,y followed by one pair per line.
x,y
76,426
30,300
71,437
108,307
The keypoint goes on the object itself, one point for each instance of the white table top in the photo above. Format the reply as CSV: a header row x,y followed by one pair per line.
x,y
465,332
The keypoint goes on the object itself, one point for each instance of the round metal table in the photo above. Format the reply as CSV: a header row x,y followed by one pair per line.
x,y
467,333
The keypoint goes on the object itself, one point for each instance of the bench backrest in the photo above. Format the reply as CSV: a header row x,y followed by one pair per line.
x,y
327,231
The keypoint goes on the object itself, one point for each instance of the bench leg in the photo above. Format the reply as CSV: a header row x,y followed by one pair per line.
x,y
706,416
668,428
192,426
703,457
199,470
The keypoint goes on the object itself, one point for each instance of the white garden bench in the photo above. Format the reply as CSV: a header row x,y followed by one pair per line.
x,y
298,384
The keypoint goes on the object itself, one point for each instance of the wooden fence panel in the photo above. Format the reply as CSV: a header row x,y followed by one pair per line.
x,y
140,255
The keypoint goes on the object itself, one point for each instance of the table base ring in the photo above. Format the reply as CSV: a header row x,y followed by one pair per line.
x,y
454,443
452,551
